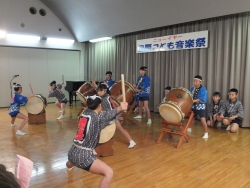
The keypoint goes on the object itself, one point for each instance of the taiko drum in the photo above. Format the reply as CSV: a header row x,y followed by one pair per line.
x,y
177,105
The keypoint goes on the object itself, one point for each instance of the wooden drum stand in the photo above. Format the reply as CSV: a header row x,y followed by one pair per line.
x,y
181,132
37,118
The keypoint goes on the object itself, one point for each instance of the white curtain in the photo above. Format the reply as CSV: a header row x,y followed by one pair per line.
x,y
223,65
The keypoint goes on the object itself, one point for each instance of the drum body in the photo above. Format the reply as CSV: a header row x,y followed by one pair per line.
x,y
87,89
116,92
115,102
36,105
107,133
177,105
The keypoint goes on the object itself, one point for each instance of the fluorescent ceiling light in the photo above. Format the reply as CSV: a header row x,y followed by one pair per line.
x,y
56,40
100,39
2,34
22,37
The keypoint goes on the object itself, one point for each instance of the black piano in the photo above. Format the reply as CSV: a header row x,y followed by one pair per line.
x,y
72,86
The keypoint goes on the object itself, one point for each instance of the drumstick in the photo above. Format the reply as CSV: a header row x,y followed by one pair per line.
x,y
62,78
123,88
94,75
31,89
133,79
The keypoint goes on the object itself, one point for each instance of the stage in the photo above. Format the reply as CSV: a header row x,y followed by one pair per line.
x,y
220,161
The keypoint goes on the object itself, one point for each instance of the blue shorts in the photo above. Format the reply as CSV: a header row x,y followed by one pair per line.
x,y
13,114
143,98
236,120
63,101
201,113
88,167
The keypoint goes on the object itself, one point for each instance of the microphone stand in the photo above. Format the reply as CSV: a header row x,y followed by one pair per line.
x,y
11,86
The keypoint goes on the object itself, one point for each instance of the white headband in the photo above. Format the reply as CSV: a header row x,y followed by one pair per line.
x,y
16,86
198,79
93,97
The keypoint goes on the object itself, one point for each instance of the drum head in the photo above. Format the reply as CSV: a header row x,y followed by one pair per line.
x,y
170,113
42,98
107,133
81,97
35,105
87,89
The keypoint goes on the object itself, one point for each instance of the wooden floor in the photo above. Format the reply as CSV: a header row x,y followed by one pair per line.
x,y
221,161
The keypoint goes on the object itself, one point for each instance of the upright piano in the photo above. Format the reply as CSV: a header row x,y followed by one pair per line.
x,y
72,86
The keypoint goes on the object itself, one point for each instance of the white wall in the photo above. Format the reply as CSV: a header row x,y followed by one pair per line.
x,y
15,12
37,63
37,67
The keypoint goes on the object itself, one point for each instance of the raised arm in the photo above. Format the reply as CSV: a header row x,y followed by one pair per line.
x,y
52,93
94,84
107,116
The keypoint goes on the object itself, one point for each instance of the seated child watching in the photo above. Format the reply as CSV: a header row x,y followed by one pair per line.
x,y
232,112
213,110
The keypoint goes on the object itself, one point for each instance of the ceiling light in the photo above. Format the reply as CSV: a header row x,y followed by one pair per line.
x,y
2,34
57,40
100,39
22,37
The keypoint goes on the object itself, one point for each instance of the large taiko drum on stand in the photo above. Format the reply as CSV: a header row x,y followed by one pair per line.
x,y
177,105
107,133
87,89
36,105
105,146
116,92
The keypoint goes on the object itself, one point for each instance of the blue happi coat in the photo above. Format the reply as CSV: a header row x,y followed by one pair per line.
x,y
199,93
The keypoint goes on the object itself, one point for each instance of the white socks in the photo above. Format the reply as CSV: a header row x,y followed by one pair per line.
x,y
18,132
205,135
61,117
138,117
228,128
131,144
149,122
12,125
